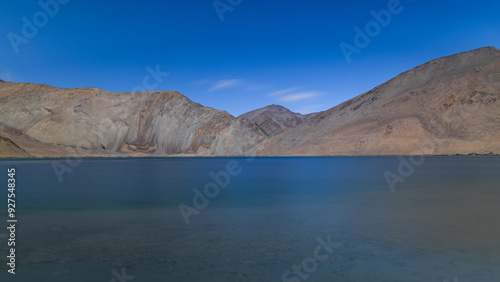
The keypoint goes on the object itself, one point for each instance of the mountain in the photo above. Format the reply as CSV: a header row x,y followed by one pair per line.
x,y
450,105
44,121
274,119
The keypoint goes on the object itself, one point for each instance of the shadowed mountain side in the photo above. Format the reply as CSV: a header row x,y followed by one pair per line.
x,y
274,119
450,105
47,121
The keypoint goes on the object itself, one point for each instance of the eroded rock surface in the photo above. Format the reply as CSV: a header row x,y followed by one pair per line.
x,y
47,121
274,119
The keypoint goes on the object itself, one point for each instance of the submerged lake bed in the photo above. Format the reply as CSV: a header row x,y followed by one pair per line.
x,y
256,219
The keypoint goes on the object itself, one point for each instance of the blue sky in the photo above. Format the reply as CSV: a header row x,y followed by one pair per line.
x,y
261,53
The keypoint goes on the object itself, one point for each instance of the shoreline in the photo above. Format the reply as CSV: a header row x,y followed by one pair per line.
x,y
222,157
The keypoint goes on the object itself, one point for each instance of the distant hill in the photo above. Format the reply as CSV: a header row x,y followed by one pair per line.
x,y
274,119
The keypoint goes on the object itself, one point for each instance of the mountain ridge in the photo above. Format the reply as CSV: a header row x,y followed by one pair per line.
x,y
450,105
274,119
51,122
348,127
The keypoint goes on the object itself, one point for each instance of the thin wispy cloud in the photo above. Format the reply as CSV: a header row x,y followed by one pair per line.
x,y
284,91
224,84
310,109
299,96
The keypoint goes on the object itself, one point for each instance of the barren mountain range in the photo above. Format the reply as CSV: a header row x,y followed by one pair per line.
x,y
450,105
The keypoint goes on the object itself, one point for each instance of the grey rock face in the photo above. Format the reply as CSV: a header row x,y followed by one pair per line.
x,y
274,119
51,122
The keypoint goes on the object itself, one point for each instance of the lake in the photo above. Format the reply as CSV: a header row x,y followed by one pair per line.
x,y
255,219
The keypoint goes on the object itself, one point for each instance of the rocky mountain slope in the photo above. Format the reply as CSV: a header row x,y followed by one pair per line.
x,y
274,119
447,106
45,121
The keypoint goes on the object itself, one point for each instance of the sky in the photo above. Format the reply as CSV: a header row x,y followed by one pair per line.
x,y
236,55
